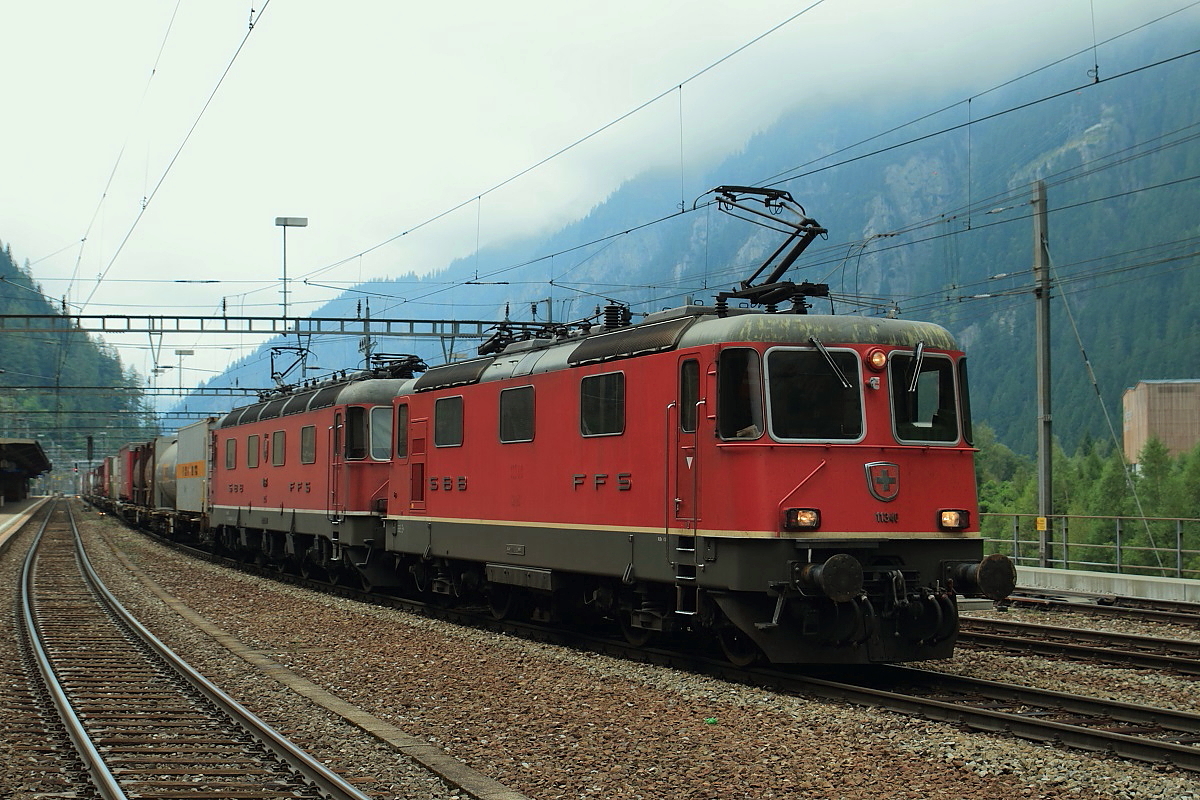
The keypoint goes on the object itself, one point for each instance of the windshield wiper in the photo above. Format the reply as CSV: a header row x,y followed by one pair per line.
x,y
837,371
918,358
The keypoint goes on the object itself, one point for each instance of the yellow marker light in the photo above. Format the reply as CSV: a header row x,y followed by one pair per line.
x,y
953,519
801,519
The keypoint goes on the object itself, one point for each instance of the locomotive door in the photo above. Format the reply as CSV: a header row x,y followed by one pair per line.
x,y
335,509
683,435
416,464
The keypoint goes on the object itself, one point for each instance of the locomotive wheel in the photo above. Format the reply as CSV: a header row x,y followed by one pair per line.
x,y
502,601
638,637
739,649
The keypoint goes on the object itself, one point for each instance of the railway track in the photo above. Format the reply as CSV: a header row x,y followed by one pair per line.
x,y
1181,657
1171,611
1135,732
143,722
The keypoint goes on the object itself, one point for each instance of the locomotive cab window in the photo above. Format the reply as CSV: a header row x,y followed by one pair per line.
x,y
516,414
252,450
808,397
924,403
448,422
230,453
739,394
381,433
602,404
356,433
278,448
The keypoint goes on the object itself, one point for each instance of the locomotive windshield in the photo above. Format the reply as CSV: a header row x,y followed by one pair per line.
x,y
808,398
924,404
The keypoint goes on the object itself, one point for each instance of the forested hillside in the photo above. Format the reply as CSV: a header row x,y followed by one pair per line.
x,y
60,418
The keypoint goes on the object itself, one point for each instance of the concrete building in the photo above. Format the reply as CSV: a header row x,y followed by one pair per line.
x,y
1169,410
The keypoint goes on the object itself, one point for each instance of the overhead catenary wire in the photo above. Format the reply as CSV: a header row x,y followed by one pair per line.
x,y
564,150
1126,467
693,77
433,291
976,206
175,157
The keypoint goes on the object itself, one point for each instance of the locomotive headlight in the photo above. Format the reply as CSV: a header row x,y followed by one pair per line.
x,y
876,359
801,519
953,519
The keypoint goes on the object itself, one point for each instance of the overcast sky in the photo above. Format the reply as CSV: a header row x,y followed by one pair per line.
x,y
371,118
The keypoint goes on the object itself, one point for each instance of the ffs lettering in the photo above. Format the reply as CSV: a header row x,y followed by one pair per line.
x,y
622,480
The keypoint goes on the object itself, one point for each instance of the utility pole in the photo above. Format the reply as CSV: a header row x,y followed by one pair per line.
x,y
1041,291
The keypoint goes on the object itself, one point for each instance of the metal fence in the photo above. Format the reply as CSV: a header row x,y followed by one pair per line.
x,y
1166,547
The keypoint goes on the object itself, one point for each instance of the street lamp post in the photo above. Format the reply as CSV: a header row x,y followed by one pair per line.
x,y
181,354
285,223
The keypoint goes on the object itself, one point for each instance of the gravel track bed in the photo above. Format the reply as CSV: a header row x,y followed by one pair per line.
x,y
555,723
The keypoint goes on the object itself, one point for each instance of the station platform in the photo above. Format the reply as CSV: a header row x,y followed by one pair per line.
x,y
13,515
1154,588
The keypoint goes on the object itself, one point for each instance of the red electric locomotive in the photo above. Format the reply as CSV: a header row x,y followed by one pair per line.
x,y
302,475
798,485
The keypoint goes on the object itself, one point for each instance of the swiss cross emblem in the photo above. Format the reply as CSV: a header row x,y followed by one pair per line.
x,y
883,479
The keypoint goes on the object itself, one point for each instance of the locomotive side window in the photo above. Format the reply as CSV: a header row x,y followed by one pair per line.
x,y
402,430
924,406
230,453
252,450
448,422
602,404
689,394
356,432
807,398
308,444
516,414
964,403
381,433
739,394
278,448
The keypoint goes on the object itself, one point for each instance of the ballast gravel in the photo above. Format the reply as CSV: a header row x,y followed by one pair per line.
x,y
548,722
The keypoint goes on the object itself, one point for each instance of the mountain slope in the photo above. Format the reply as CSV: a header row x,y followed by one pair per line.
x,y
930,220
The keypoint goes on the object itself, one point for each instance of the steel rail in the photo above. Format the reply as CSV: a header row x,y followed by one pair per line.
x,y
102,778
1031,724
1180,655
324,780
1108,605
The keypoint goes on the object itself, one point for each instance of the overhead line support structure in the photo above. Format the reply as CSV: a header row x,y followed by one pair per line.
x,y
202,391
132,323
1045,431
